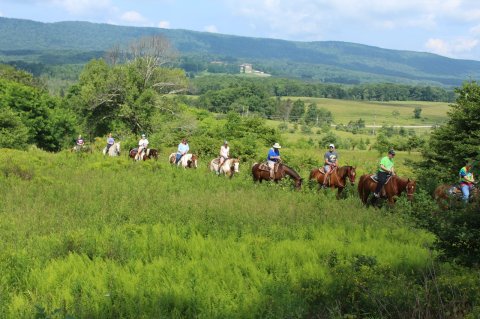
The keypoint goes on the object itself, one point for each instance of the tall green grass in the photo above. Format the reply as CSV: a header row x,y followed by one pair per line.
x,y
94,237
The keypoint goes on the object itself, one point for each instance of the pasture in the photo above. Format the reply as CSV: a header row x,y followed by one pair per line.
x,y
88,236
381,113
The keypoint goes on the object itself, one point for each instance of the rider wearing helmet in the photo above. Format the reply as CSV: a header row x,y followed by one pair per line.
x,y
384,171
466,180
80,142
142,146
224,155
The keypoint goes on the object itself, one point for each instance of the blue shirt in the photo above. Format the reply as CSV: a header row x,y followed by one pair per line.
x,y
183,148
273,152
110,141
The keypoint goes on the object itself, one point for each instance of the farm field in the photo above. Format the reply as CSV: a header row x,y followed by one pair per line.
x,y
380,113
94,237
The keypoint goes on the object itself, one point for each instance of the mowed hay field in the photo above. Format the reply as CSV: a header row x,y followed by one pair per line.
x,y
380,113
94,237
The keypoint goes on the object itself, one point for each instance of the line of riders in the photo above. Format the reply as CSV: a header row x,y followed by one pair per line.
x,y
386,170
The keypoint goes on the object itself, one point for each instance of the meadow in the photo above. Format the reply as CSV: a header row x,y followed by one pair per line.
x,y
381,113
83,236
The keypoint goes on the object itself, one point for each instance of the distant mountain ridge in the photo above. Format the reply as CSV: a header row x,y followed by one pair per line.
x,y
318,61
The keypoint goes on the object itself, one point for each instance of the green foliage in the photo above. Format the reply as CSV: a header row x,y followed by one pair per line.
x,y
126,94
417,111
182,243
13,133
48,123
297,111
456,142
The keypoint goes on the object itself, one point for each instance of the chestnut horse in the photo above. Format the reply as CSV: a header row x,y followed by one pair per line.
x,y
337,179
261,172
394,187
148,154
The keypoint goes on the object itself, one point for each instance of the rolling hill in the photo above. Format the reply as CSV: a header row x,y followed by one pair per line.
x,y
325,61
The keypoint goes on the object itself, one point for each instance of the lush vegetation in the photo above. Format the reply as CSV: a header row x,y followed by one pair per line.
x,y
105,237
86,236
330,62
290,87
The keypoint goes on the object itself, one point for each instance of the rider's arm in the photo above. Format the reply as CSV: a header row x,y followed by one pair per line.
x,y
385,169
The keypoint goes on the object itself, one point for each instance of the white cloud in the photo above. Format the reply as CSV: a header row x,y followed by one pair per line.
x,y
1,14
456,47
164,24
211,28
314,18
133,17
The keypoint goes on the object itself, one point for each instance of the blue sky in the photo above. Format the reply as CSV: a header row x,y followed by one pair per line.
x,y
447,27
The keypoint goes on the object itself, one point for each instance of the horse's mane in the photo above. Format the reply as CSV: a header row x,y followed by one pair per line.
x,y
292,172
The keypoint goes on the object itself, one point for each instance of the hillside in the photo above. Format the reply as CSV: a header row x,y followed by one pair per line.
x,y
326,61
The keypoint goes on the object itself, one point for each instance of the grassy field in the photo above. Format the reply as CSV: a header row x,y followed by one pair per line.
x,y
380,113
94,237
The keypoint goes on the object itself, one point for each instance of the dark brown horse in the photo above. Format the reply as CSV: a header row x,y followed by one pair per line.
x,y
149,154
394,187
337,179
447,194
261,172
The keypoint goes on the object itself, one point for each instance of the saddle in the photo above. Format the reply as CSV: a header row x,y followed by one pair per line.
x,y
264,167
374,178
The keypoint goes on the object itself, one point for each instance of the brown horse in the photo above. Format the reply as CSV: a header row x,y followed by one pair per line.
x,y
149,154
447,194
261,172
338,178
394,187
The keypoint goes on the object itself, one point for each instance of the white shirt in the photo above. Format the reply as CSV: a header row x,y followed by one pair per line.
x,y
224,151
143,142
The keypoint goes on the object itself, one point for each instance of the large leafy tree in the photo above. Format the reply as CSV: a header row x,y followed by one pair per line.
x,y
126,94
458,141
25,105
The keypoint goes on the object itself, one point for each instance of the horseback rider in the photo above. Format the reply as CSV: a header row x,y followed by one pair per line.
x,y
183,149
142,147
272,158
224,155
466,180
384,171
80,142
110,142
330,163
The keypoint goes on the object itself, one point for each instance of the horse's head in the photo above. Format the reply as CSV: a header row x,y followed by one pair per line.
x,y
171,158
298,183
236,165
351,174
410,188
193,161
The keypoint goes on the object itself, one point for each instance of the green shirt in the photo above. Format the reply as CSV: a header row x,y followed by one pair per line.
x,y
387,162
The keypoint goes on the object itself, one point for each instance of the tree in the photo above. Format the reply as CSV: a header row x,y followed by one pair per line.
x,y
128,93
13,133
417,112
311,117
455,142
298,109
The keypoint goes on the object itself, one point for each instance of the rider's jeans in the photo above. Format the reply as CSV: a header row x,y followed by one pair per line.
x,y
466,192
